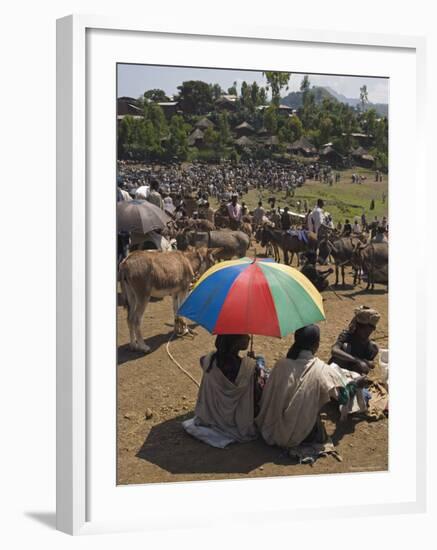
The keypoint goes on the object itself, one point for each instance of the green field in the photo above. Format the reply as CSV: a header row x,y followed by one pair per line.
x,y
342,200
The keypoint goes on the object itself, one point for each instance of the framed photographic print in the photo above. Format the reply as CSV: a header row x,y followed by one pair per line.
x,y
230,290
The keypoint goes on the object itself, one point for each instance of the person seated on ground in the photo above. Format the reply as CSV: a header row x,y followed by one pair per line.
x,y
318,277
296,390
353,349
230,389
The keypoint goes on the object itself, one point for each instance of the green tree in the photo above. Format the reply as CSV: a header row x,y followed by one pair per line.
x,y
155,95
245,94
216,91
291,130
177,144
326,129
195,97
381,136
155,115
271,119
223,129
305,85
211,138
262,96
308,103
233,89
364,99
370,122
254,94
277,81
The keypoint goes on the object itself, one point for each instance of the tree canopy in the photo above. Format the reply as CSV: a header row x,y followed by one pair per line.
x,y
162,134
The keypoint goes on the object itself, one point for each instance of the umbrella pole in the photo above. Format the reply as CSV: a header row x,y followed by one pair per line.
x,y
251,344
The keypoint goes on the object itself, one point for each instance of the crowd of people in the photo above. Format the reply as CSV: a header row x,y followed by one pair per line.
x,y
221,180
198,182
240,398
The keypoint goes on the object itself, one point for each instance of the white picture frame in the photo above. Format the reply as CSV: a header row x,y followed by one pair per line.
x,y
75,238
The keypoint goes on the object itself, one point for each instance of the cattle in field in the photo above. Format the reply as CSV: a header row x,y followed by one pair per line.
x,y
372,259
146,274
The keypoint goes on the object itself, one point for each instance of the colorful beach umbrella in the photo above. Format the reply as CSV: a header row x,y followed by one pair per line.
x,y
249,296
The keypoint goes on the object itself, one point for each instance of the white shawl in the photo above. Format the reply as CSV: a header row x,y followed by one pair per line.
x,y
292,398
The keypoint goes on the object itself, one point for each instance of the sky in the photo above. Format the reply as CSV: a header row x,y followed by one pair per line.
x,y
134,80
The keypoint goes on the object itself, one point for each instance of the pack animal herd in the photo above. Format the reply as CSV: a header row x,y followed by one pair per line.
x,y
146,274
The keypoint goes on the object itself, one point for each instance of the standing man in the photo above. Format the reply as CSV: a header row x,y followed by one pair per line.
x,y
154,195
347,229
258,214
235,212
374,227
317,217
209,213
285,220
356,230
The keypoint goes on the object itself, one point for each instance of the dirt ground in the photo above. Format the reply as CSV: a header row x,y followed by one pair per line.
x,y
154,397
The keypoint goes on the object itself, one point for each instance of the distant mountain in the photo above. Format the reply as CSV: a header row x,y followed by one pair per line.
x,y
294,99
380,108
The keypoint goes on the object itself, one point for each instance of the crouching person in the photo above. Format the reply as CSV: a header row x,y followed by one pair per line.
x,y
228,394
354,350
318,277
296,390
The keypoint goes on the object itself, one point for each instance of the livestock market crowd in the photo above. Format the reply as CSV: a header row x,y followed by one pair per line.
x,y
240,398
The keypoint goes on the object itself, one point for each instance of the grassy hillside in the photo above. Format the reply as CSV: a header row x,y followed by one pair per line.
x,y
343,200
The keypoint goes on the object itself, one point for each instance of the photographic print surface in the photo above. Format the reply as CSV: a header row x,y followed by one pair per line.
x,y
252,259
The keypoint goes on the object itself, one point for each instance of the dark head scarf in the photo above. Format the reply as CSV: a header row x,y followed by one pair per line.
x,y
306,338
224,344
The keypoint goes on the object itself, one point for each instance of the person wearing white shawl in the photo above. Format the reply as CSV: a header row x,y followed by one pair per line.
x,y
298,387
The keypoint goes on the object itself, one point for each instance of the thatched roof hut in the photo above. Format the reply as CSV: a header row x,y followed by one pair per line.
x,y
244,141
263,132
127,106
272,141
362,157
196,138
227,101
204,124
244,129
330,155
302,146
359,152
